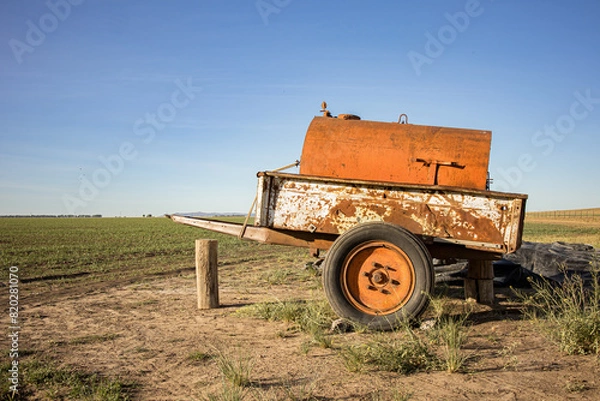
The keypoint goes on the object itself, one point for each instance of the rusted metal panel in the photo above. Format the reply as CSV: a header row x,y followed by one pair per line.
x,y
399,153
483,220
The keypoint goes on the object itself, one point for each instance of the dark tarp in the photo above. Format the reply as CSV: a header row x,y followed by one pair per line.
x,y
554,260
533,259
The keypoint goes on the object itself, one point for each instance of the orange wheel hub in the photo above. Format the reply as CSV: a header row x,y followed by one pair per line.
x,y
377,278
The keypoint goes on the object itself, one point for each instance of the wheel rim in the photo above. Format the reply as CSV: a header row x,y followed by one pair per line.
x,y
378,278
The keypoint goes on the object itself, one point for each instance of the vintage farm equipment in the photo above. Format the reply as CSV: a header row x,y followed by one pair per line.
x,y
382,199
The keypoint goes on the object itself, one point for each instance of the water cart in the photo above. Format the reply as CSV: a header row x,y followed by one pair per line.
x,y
383,199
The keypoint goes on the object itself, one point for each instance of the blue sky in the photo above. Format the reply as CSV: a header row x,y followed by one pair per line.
x,y
137,107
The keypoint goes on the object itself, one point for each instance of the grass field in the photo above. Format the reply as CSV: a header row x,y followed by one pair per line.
x,y
70,250
71,257
71,269
579,226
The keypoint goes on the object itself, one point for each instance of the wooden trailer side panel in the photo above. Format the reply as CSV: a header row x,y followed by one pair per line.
x,y
484,220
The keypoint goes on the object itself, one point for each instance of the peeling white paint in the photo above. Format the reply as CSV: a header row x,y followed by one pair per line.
x,y
295,202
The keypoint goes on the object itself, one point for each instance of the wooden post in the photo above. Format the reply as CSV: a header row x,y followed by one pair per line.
x,y
207,278
479,283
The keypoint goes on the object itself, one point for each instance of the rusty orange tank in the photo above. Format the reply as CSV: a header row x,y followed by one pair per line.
x,y
399,153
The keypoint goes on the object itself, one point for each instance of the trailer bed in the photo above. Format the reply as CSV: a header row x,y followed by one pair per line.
x,y
309,211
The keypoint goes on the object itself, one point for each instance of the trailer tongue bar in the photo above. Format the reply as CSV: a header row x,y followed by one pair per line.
x,y
259,234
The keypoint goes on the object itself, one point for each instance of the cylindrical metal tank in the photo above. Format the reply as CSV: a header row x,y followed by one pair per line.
x,y
397,153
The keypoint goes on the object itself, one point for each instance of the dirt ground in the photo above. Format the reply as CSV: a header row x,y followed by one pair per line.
x,y
145,333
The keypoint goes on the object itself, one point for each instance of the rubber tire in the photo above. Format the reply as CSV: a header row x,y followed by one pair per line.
x,y
412,246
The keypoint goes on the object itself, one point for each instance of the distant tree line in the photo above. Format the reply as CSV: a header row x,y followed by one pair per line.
x,y
54,215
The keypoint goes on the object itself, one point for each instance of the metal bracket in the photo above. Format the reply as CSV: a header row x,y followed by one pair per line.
x,y
437,164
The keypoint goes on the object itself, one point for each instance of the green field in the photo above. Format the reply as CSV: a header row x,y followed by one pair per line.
x,y
73,249
572,228
66,250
